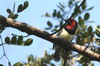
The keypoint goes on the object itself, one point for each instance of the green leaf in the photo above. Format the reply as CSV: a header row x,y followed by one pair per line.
x,y
20,40
89,30
61,8
15,16
54,13
58,14
31,58
14,40
7,40
81,21
85,59
61,23
86,16
47,28
9,64
20,8
54,30
8,10
78,40
49,24
26,4
90,8
28,42
56,26
70,3
18,64
97,41
97,33
77,11
62,5
84,6
47,15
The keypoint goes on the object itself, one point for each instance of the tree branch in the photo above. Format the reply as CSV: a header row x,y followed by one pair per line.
x,y
8,22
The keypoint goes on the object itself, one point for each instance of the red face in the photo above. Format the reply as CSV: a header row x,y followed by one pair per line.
x,y
71,24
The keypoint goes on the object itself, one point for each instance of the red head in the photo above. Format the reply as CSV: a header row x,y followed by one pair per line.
x,y
71,26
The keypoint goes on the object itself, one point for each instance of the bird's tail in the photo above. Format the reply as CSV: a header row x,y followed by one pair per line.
x,y
57,52
66,58
57,55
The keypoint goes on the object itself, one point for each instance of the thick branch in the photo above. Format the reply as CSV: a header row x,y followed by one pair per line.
x,y
8,22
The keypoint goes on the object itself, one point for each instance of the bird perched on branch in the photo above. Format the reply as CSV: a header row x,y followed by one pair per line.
x,y
67,33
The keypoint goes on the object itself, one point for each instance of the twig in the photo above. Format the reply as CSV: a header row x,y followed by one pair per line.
x,y
1,56
4,54
19,35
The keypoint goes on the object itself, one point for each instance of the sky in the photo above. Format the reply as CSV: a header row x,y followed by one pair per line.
x,y
32,16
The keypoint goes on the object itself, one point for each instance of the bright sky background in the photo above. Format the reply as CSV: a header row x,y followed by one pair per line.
x,y
32,16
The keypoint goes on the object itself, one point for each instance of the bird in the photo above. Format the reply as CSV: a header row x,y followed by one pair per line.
x,y
67,33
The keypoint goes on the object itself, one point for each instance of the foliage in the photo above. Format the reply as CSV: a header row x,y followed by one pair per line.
x,y
18,40
85,35
20,8
33,61
15,39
